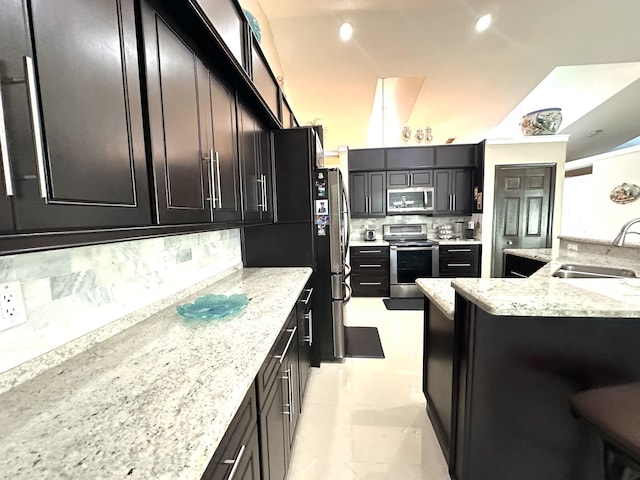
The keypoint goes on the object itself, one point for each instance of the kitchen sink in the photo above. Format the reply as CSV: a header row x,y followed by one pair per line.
x,y
571,270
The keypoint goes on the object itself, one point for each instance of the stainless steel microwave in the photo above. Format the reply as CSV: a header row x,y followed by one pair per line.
x,y
410,200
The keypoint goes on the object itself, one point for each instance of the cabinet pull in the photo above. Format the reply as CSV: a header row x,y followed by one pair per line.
x,y
450,202
209,158
286,348
292,402
458,264
219,182
235,462
264,192
4,153
459,250
370,251
370,266
287,377
370,283
518,274
309,293
454,202
36,123
309,317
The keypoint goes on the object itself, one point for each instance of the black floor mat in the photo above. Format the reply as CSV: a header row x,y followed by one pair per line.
x,y
404,303
363,342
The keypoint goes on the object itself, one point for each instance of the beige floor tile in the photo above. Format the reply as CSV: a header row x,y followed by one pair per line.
x,y
365,419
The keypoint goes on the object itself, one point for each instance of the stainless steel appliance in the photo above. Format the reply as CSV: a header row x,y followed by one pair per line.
x,y
332,231
410,200
411,256
369,233
311,229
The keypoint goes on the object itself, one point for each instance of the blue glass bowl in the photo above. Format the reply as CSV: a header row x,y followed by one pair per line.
x,y
209,307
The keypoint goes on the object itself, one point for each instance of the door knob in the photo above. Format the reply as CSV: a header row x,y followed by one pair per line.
x,y
509,242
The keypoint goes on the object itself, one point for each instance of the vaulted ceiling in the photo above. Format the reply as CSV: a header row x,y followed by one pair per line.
x,y
440,72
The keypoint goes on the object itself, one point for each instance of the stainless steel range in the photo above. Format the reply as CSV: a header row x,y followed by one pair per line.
x,y
412,256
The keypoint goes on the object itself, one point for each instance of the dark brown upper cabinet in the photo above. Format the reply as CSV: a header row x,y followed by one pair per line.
x,y
367,159
176,80
74,153
456,155
193,130
404,158
255,158
263,79
228,22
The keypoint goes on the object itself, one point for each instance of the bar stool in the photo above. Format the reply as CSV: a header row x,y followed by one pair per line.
x,y
614,413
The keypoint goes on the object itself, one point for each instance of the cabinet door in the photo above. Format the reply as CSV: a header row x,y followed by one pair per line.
x,y
74,120
224,136
251,193
274,443
175,82
358,199
461,185
456,156
421,178
398,179
292,387
228,21
305,338
367,159
442,184
377,194
265,187
403,158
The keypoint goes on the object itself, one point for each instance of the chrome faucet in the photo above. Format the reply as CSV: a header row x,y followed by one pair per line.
x,y
619,240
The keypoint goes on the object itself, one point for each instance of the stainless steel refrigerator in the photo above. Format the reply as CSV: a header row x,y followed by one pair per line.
x,y
311,228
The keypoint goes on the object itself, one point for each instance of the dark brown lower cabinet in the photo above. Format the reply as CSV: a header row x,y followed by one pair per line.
x,y
279,402
238,455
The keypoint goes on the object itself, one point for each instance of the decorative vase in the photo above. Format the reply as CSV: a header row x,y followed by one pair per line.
x,y
419,135
541,122
406,134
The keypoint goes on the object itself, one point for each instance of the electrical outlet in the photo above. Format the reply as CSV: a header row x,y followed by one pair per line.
x,y
12,311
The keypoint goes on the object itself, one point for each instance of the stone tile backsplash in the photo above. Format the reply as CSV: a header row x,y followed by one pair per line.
x,y
70,292
358,224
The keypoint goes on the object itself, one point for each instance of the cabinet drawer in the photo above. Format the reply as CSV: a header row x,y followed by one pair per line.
x,y
367,254
271,368
370,285
371,267
459,261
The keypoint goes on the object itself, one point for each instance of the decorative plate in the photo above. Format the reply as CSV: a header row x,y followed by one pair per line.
x,y
625,193
209,307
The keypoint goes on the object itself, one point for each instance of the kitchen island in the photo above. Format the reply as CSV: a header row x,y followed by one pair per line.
x,y
153,401
517,350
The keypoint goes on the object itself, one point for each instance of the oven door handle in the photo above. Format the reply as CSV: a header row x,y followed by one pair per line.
x,y
415,249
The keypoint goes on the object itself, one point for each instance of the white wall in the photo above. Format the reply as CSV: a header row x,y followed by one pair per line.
x,y
525,151
590,212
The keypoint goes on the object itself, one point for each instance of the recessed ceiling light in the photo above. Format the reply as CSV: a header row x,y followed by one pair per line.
x,y
346,31
483,22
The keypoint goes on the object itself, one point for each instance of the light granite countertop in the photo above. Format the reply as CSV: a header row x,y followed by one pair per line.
x,y
368,243
152,401
541,254
544,295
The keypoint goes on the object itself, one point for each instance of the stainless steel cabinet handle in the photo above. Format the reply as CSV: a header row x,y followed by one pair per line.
x,y
309,317
260,182
209,158
264,192
458,264
36,124
219,181
4,153
450,202
287,377
370,266
286,348
518,274
454,201
235,462
459,250
292,401
370,283
371,251
309,293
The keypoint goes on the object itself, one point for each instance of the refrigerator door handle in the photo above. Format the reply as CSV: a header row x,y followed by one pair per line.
x,y
347,297
347,271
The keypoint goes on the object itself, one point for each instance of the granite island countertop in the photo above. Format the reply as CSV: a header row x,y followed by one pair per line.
x,y
541,254
152,401
544,295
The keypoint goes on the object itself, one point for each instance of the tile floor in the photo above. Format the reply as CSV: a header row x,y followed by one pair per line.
x,y
365,419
